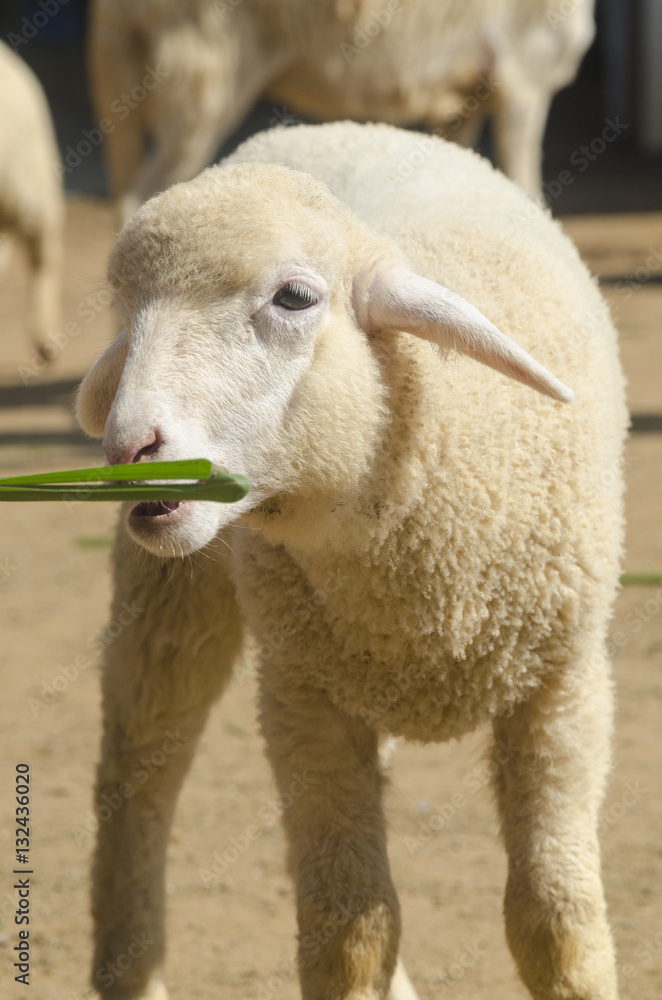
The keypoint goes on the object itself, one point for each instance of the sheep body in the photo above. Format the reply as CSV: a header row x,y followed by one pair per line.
x,y
31,202
446,64
483,513
430,545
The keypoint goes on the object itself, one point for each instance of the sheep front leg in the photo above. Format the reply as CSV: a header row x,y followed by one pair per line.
x,y
326,767
181,632
519,121
555,752
209,85
119,64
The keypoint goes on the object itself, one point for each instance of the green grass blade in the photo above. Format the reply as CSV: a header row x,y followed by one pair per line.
x,y
197,468
108,483
641,579
228,492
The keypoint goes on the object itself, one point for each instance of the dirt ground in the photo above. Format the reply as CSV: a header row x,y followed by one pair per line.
x,y
235,937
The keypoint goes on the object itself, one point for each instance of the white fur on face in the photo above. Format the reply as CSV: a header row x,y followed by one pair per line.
x,y
214,383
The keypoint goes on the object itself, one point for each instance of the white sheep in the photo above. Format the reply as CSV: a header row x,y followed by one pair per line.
x,y
434,545
445,64
31,200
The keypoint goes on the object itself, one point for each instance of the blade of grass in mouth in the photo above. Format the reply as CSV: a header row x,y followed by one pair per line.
x,y
204,481
196,468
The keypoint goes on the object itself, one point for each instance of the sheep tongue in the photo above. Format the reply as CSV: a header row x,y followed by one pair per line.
x,y
155,508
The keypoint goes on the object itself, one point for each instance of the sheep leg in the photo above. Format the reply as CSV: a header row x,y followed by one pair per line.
x,y
519,121
45,264
465,131
172,658
326,767
554,753
117,64
401,986
5,251
209,86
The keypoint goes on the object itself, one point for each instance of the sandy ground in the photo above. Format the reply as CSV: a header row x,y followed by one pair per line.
x,y
235,938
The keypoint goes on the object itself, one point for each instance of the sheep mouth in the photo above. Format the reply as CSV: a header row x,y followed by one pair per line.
x,y
155,508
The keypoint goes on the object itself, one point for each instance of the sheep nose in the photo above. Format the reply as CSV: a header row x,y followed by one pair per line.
x,y
139,450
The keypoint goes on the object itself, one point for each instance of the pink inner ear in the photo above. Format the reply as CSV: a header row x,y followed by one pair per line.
x,y
393,297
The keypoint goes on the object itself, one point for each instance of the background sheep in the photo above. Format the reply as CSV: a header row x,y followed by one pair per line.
x,y
476,578
31,201
442,63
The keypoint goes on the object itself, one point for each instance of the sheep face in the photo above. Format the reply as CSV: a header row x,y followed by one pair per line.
x,y
247,295
241,346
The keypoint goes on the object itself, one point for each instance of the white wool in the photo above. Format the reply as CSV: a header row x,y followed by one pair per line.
x,y
428,544
31,200
195,70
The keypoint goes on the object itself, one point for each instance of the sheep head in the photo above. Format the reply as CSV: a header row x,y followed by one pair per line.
x,y
247,295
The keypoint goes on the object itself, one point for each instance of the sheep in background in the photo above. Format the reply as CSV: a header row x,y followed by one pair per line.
x,y
471,529
445,64
31,199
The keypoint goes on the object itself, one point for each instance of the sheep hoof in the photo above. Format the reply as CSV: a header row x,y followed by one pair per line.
x,y
156,990
44,351
401,987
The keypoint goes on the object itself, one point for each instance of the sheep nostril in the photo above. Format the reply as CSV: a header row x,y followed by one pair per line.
x,y
141,449
147,450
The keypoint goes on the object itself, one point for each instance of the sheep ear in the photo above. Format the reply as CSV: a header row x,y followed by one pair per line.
x,y
99,387
393,297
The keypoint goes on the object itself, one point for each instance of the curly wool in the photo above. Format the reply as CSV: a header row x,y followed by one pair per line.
x,y
482,549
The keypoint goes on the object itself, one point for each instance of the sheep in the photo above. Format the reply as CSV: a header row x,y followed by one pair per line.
x,y
290,317
31,199
444,64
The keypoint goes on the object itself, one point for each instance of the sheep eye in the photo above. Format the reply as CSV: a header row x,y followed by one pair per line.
x,y
294,296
